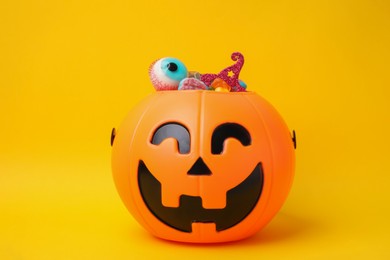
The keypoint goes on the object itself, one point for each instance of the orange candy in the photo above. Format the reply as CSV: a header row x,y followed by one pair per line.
x,y
221,89
221,85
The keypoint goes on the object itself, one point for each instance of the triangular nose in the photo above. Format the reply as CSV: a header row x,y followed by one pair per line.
x,y
199,168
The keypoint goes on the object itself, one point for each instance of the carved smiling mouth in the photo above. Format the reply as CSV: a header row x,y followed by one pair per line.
x,y
240,201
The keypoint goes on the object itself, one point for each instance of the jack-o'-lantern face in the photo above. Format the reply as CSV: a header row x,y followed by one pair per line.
x,y
202,166
226,200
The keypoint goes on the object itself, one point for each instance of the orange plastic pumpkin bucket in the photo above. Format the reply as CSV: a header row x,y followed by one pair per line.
x,y
203,166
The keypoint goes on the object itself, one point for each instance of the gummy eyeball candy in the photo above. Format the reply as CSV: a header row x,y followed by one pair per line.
x,y
166,73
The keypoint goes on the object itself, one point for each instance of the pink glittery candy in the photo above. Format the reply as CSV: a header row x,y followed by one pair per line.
x,y
229,75
192,84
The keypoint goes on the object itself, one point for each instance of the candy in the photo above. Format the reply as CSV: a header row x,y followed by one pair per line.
x,y
194,74
219,83
166,73
171,74
242,84
221,89
229,75
192,84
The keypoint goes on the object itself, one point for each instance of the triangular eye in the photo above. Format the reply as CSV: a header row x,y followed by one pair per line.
x,y
175,130
229,130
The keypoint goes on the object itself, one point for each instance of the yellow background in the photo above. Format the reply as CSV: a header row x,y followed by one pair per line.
x,y
71,70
